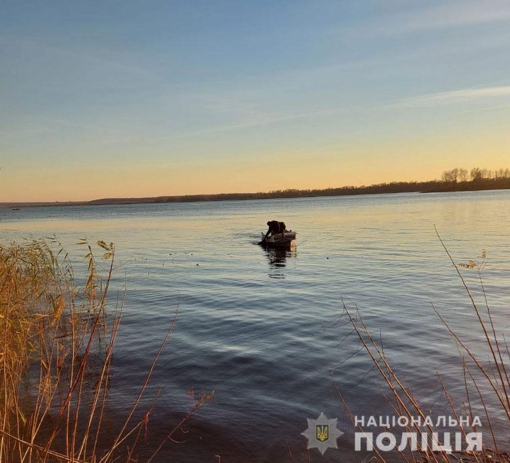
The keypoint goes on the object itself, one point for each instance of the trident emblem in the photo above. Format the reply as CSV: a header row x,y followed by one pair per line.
x,y
322,432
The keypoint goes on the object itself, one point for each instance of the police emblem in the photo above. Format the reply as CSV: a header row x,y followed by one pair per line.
x,y
322,433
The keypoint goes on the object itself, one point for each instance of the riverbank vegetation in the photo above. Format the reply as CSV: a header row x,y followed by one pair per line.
x,y
481,419
57,344
457,179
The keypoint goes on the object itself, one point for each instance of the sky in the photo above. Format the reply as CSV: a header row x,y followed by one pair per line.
x,y
153,98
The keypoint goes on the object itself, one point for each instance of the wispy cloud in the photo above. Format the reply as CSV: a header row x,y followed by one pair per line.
x,y
260,120
269,120
455,97
457,14
444,16
487,108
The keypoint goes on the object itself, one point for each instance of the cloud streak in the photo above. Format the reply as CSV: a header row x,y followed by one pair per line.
x,y
455,97
445,16
458,14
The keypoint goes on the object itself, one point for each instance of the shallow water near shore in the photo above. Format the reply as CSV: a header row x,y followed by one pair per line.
x,y
264,328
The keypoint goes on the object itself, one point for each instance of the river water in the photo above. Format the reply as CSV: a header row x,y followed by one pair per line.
x,y
265,330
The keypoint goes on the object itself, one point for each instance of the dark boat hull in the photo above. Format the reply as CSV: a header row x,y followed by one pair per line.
x,y
280,240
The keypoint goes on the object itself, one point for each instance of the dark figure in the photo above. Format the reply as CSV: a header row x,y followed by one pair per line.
x,y
275,228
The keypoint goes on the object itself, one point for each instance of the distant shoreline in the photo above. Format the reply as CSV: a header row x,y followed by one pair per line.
x,y
433,186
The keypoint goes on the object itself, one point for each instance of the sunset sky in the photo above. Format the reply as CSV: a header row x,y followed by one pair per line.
x,y
147,98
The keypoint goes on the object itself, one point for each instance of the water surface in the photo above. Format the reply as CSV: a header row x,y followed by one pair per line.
x,y
262,328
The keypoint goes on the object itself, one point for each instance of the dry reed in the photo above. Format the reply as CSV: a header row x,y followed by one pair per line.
x,y
479,375
53,392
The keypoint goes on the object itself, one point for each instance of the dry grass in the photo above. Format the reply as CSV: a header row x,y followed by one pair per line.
x,y
484,381
53,388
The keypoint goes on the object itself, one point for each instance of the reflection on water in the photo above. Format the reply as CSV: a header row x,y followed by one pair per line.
x,y
277,259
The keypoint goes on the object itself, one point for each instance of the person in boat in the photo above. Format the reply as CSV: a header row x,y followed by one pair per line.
x,y
275,228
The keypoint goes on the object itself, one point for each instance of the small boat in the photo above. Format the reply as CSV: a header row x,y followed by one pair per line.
x,y
284,239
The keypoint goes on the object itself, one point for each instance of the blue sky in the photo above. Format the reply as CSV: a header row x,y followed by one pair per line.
x,y
103,99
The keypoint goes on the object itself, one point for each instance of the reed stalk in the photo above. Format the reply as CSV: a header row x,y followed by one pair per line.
x,y
484,382
54,391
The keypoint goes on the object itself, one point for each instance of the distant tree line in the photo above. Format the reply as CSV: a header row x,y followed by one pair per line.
x,y
475,175
460,179
457,179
